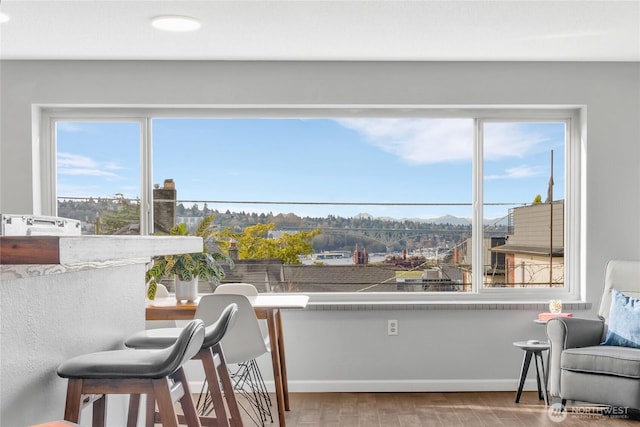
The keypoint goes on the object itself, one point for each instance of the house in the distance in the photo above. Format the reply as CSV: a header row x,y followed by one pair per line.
x,y
534,247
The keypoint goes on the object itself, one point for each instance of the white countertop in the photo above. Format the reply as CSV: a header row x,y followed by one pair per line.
x,y
82,249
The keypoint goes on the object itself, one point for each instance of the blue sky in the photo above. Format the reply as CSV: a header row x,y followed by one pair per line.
x,y
425,161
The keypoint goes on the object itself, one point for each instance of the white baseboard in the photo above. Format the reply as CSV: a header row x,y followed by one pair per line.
x,y
395,386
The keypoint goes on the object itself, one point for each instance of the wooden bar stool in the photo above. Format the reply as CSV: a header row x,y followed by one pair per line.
x,y
213,361
158,373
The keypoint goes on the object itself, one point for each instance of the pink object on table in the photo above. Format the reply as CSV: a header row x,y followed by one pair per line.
x,y
547,316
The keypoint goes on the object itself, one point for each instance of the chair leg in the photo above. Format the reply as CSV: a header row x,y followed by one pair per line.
x,y
264,401
263,390
242,383
100,411
162,394
204,405
74,400
249,382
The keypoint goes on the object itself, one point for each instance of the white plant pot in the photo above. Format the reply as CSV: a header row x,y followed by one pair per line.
x,y
187,290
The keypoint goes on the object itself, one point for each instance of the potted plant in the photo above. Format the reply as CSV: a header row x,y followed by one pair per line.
x,y
188,268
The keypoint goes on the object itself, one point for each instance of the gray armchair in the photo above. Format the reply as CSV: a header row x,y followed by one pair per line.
x,y
582,370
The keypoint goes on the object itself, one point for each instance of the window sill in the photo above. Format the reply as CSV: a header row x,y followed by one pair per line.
x,y
540,306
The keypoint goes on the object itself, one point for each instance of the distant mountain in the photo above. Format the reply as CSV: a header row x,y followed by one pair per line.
x,y
367,216
446,219
449,219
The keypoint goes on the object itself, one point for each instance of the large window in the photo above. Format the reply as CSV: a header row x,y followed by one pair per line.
x,y
523,203
98,175
431,203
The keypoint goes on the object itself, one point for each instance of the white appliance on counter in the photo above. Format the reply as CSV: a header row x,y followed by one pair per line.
x,y
34,225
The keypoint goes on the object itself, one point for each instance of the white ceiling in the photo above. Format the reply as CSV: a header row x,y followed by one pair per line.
x,y
575,30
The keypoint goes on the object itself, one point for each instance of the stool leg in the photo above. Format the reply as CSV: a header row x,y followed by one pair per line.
x,y
162,394
208,364
523,374
188,406
227,387
134,410
150,414
100,411
74,400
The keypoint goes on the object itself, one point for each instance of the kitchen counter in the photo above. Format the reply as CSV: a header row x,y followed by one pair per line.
x,y
79,249
61,296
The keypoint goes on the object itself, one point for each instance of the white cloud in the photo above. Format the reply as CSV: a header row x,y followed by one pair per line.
x,y
111,166
503,140
429,141
73,164
69,127
418,141
74,160
72,190
517,172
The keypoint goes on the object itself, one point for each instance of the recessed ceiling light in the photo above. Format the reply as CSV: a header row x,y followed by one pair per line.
x,y
175,23
3,17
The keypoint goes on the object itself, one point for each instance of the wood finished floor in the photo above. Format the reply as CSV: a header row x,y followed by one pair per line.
x,y
429,409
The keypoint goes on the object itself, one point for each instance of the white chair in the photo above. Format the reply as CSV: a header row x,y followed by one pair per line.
x,y
246,289
243,346
161,292
583,370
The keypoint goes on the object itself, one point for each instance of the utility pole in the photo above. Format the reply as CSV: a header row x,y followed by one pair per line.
x,y
550,200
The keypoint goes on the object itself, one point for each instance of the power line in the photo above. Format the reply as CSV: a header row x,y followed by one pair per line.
x,y
266,202
262,202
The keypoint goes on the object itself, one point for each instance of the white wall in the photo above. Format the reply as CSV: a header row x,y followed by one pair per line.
x,y
441,349
49,318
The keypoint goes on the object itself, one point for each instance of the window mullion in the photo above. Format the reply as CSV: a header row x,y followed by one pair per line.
x,y
146,177
47,179
477,232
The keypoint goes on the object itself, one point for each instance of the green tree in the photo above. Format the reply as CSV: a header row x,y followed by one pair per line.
x,y
255,243
537,199
206,264
123,214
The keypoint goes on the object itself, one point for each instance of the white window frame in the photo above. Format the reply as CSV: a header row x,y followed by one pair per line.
x,y
575,148
48,150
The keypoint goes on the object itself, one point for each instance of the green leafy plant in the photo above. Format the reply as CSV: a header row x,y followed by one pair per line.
x,y
206,265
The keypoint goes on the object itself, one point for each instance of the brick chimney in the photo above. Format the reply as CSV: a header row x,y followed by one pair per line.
x,y
233,250
164,206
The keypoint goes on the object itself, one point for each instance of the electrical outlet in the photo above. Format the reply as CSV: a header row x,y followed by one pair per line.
x,y
392,327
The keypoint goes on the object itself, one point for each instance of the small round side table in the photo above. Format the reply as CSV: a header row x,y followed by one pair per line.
x,y
533,348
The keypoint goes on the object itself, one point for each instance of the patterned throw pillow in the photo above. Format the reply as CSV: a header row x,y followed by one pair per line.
x,y
624,321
